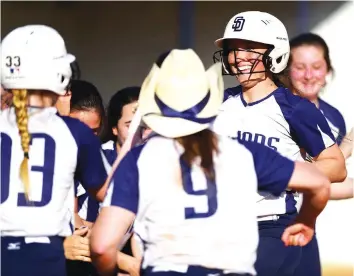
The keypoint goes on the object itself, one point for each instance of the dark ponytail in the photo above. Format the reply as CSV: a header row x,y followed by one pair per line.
x,y
202,144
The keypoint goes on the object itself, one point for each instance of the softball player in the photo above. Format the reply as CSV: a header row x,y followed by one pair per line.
x,y
255,48
309,66
186,182
41,153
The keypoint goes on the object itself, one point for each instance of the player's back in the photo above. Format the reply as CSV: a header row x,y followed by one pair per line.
x,y
52,165
191,220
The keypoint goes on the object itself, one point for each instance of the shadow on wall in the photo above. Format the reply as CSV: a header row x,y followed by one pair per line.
x,y
117,42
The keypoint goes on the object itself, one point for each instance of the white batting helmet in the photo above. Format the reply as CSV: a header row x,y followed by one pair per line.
x,y
35,57
263,28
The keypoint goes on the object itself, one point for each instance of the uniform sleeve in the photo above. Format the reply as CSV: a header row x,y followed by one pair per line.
x,y
92,166
342,128
273,170
124,188
310,128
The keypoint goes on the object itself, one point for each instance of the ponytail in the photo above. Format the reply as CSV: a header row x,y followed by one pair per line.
x,y
20,104
202,144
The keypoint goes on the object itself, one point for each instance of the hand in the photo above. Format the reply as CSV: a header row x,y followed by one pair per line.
x,y
134,267
298,234
76,247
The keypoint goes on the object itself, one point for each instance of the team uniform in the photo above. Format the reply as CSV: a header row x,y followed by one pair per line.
x,y
62,149
88,207
285,123
177,218
334,119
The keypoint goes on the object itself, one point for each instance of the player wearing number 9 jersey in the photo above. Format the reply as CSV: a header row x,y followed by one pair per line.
x,y
186,183
41,154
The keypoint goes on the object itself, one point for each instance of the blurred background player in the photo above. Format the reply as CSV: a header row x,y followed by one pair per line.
x,y
255,49
186,182
309,67
86,105
120,112
41,152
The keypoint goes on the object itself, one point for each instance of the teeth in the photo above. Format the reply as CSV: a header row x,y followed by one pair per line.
x,y
244,68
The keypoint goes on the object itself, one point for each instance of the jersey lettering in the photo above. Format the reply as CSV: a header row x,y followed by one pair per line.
x,y
258,138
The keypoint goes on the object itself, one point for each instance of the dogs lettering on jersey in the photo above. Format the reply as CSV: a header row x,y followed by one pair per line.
x,y
257,137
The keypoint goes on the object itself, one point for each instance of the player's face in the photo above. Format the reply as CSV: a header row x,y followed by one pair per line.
x,y
121,131
63,104
308,70
89,117
243,61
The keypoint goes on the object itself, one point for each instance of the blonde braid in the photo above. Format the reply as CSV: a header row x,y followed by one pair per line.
x,y
20,103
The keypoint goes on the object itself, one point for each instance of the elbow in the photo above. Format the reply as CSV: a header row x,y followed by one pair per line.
x,y
98,247
341,171
323,189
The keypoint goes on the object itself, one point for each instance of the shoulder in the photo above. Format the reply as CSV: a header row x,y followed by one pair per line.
x,y
79,130
72,123
291,104
285,98
232,148
327,108
232,92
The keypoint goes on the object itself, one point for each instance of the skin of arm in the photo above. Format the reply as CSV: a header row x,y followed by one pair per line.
x,y
347,144
308,179
107,232
331,162
343,190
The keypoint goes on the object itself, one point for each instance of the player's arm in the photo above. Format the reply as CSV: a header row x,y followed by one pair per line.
x,y
116,216
92,166
343,190
347,144
314,135
275,173
128,264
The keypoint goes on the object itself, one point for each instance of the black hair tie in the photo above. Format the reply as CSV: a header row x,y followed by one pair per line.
x,y
26,155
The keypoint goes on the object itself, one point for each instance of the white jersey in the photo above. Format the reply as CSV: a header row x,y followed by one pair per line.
x,y
281,121
61,149
177,216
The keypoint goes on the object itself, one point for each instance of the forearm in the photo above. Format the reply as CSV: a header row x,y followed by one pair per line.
x,y
313,204
126,262
78,221
334,169
343,190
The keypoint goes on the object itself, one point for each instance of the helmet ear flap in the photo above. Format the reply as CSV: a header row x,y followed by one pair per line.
x,y
267,60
